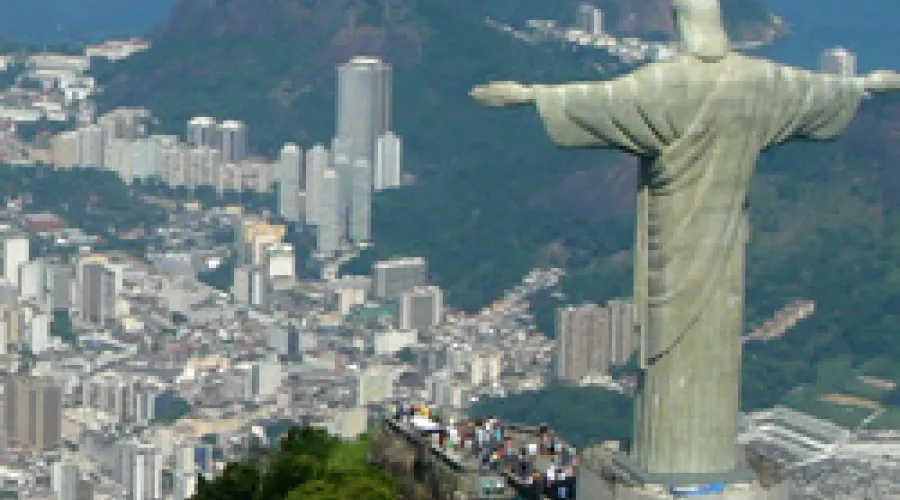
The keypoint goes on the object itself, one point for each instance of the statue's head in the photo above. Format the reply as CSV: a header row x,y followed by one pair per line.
x,y
699,24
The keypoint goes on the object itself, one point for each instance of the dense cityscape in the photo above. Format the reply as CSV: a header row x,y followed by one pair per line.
x,y
158,377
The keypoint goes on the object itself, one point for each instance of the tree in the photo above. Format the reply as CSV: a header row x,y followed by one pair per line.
x,y
308,464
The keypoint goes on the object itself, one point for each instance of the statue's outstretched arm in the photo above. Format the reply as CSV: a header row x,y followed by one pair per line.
x,y
496,94
881,81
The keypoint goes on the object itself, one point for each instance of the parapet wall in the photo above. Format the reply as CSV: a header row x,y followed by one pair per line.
x,y
424,474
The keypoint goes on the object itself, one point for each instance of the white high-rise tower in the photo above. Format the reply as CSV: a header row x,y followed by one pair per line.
x,y
364,104
331,219
290,165
388,162
360,216
317,160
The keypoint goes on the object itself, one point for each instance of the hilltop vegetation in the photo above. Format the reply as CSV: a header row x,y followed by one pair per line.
x,y
308,465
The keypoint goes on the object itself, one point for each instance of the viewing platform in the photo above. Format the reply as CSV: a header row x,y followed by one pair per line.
x,y
474,459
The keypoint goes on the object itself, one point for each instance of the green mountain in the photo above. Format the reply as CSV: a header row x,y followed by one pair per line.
x,y
494,198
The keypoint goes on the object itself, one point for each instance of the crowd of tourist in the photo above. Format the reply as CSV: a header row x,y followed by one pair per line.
x,y
539,462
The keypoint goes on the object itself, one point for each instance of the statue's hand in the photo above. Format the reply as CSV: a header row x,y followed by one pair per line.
x,y
497,94
882,81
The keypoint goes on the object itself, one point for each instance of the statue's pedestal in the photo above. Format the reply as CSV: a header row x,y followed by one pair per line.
x,y
614,477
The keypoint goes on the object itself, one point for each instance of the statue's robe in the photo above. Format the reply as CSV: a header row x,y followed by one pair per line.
x,y
698,128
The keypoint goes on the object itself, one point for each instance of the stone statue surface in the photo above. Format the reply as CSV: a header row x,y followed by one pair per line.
x,y
698,124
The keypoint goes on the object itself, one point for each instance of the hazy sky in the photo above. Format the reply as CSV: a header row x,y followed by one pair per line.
x,y
868,27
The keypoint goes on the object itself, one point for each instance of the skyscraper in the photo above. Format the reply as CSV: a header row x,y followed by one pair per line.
x,y
233,141
317,160
99,285
360,213
583,338
388,162
290,165
364,104
202,132
331,218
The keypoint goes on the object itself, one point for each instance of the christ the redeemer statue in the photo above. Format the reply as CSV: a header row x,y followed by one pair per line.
x,y
698,124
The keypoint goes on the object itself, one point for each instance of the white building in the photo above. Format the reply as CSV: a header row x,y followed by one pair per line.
x,y
290,166
330,218
387,342
360,213
15,252
279,261
388,162
202,132
363,104
90,146
233,141
318,159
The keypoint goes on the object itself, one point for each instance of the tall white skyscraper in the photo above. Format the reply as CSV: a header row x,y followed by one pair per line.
x,y
290,166
342,162
388,162
364,104
360,221
838,61
202,132
233,141
331,219
317,160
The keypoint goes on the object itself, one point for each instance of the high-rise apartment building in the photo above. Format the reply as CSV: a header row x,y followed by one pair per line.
x,y
331,220
421,308
838,61
363,104
33,407
393,277
317,160
359,225
583,341
141,471
388,162
290,175
233,141
99,285
202,132
125,123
